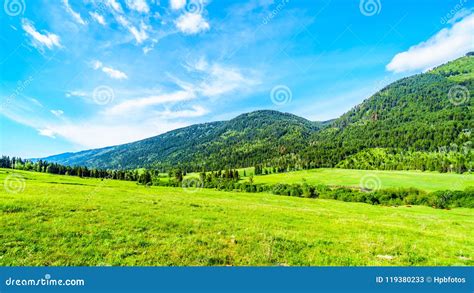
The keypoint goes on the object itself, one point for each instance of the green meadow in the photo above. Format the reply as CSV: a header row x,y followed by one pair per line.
x,y
63,220
426,181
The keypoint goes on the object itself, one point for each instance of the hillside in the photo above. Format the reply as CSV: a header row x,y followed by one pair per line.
x,y
422,113
417,113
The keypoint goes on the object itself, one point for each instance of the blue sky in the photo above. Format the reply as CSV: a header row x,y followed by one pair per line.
x,y
81,74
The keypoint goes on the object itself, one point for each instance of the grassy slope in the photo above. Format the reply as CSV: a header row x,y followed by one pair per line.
x,y
428,181
60,220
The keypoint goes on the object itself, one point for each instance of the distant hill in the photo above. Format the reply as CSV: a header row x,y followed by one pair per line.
x,y
420,113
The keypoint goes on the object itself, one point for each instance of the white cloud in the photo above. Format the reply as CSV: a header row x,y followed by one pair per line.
x,y
447,44
97,17
77,17
216,79
93,131
138,5
224,80
57,113
35,101
79,94
40,40
177,4
140,34
147,49
192,23
97,64
115,5
113,73
200,65
98,134
133,105
47,132
150,47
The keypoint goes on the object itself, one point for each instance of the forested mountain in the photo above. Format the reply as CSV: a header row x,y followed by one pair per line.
x,y
429,112
245,140
428,115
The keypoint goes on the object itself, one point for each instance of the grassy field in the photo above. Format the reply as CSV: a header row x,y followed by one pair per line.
x,y
427,181
62,220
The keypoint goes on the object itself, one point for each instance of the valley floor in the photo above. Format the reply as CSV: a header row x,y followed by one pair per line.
x,y
62,220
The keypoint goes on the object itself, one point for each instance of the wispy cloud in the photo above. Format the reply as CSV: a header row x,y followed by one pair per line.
x,y
111,72
97,17
447,44
40,39
77,17
138,5
35,102
96,130
80,94
216,79
140,34
115,5
96,133
138,104
194,111
58,113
